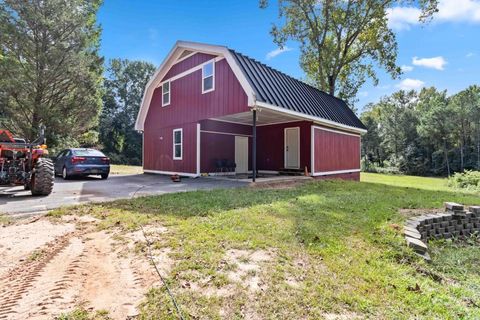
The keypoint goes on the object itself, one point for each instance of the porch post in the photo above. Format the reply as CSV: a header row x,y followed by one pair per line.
x,y
254,145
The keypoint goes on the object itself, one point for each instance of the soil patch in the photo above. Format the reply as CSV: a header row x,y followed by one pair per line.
x,y
418,212
55,268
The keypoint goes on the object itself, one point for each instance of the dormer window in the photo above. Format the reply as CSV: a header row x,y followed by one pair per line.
x,y
208,77
165,93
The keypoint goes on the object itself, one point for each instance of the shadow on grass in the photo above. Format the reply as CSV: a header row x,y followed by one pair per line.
x,y
318,209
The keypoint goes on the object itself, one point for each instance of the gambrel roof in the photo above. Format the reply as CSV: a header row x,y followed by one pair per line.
x,y
265,87
276,88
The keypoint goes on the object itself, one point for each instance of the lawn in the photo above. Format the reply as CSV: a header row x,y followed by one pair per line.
x,y
327,249
425,183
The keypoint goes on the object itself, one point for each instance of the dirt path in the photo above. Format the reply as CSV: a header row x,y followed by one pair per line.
x,y
80,266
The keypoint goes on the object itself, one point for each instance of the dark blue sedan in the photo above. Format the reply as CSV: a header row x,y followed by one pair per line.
x,y
82,162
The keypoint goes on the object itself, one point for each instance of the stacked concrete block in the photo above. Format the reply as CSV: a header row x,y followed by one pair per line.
x,y
455,222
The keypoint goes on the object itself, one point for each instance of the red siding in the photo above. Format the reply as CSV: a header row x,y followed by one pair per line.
x,y
188,104
271,145
216,146
188,107
158,149
335,151
220,126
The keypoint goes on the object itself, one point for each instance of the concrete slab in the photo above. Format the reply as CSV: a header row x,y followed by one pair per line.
x,y
17,202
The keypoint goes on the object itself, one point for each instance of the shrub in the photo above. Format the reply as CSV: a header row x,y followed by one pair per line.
x,y
469,180
370,167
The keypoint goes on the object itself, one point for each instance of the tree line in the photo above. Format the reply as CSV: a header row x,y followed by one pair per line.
x,y
53,74
423,133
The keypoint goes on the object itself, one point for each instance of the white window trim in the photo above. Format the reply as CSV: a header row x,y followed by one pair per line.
x,y
181,144
213,76
169,93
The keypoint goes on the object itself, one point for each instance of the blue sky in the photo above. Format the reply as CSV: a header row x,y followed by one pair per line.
x,y
444,53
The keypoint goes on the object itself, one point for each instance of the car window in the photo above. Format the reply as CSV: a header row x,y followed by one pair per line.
x,y
88,153
61,154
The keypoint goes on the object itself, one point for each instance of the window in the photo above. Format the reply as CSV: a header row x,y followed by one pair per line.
x,y
177,144
166,94
62,154
208,77
88,153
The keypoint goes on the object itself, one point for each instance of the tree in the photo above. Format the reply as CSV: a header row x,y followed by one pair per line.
x,y
124,85
340,39
372,149
423,133
465,107
51,70
435,120
399,126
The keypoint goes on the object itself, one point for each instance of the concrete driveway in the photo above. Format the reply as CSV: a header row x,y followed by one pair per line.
x,y
17,202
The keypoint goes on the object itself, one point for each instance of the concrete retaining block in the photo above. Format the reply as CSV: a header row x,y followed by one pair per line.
x,y
453,223
453,206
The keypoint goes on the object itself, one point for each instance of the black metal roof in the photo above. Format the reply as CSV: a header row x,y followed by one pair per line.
x,y
276,88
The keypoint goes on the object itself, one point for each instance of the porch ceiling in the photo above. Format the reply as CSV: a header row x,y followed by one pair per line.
x,y
264,117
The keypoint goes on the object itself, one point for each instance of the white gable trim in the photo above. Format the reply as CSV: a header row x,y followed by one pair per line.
x,y
192,70
172,58
184,58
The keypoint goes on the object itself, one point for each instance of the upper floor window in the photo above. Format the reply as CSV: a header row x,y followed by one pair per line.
x,y
208,77
177,144
165,93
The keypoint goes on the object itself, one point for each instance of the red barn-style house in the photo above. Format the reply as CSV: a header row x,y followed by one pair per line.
x,y
209,109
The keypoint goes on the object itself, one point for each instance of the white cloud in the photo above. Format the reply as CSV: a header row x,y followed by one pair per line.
x,y
406,68
402,18
272,54
363,93
410,84
469,55
459,10
433,63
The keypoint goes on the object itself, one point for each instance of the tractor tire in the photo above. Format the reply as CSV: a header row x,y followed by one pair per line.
x,y
43,178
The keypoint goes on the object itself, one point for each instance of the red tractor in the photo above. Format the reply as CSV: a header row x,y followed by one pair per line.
x,y
26,164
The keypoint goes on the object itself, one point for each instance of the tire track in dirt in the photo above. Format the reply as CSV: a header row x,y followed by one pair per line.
x,y
97,270
48,295
117,281
16,283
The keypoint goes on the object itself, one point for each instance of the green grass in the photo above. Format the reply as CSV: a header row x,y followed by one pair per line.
x,y
4,220
338,240
82,314
435,184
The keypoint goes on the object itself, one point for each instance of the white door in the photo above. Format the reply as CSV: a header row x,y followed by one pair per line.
x,y
292,148
241,154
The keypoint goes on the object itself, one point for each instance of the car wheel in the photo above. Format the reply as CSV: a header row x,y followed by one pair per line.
x,y
104,176
65,175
